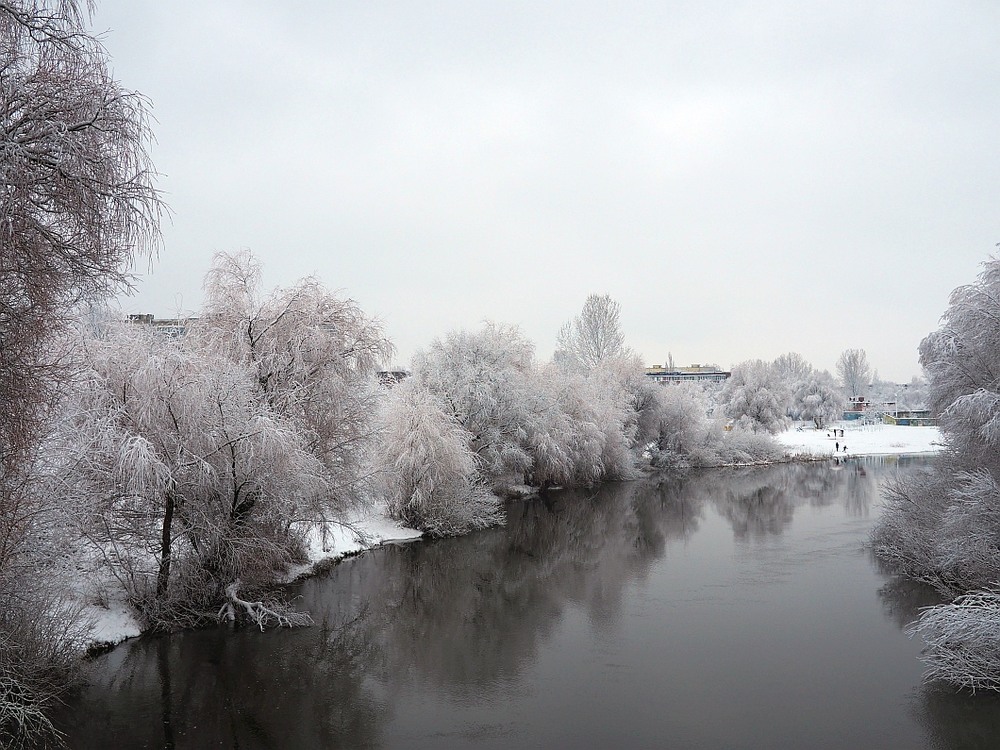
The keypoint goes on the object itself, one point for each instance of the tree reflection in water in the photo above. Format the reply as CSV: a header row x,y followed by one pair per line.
x,y
212,688
759,502
958,720
475,610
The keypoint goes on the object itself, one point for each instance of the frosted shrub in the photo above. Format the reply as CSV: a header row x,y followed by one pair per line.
x,y
426,468
736,447
756,398
969,537
907,533
682,426
618,405
481,381
566,442
943,529
962,640
748,447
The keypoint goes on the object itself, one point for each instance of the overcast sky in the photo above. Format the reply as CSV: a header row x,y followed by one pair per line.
x,y
746,179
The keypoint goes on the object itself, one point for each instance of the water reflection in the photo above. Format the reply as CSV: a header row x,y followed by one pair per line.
x,y
952,719
469,619
903,598
760,502
958,721
506,590
215,688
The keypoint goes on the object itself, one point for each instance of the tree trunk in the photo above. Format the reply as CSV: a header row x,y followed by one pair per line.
x,y
163,576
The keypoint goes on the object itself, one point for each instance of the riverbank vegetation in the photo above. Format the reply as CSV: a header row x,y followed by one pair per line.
x,y
943,527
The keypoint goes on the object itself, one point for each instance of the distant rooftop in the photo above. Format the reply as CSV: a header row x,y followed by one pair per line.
x,y
704,373
172,327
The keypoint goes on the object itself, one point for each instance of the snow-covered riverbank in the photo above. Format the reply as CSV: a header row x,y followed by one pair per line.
x,y
113,621
860,440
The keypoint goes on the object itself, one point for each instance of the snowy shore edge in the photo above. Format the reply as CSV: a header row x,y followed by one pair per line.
x,y
113,622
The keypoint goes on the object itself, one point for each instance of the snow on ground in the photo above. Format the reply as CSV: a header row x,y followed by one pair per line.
x,y
368,528
112,624
861,440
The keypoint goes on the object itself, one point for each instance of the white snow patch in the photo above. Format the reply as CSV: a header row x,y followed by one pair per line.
x,y
370,527
861,440
112,624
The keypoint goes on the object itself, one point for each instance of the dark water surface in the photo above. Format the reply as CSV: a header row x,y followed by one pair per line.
x,y
730,609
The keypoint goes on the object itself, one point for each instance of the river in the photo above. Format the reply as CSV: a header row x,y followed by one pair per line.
x,y
732,608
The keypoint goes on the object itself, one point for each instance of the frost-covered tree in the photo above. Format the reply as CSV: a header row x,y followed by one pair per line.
x,y
182,477
595,422
915,395
855,372
482,378
592,336
542,426
614,399
584,428
682,410
426,469
755,398
818,397
792,370
77,200
313,353
912,395
624,379
77,204
942,526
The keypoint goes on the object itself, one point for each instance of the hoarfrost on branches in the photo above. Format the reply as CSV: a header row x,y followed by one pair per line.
x,y
941,526
855,372
818,397
427,469
179,474
77,205
962,640
755,398
313,353
592,336
482,378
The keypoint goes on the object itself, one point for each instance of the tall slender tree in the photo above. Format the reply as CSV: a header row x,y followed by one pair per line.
x,y
77,204
855,372
592,336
